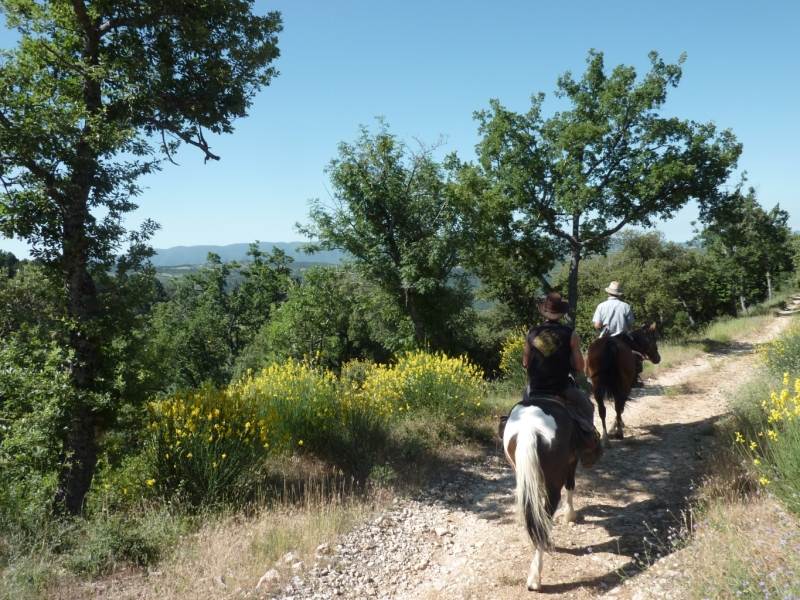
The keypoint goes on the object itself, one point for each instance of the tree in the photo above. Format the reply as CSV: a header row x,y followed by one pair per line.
x,y
94,96
213,315
754,244
610,160
509,255
8,264
392,214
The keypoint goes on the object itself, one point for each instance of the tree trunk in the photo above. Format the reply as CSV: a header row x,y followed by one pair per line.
x,y
742,299
692,322
412,312
769,286
79,445
574,262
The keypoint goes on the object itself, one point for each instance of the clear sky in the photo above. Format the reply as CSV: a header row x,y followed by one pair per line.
x,y
426,66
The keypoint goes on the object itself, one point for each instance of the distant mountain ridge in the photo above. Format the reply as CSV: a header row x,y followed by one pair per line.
x,y
196,255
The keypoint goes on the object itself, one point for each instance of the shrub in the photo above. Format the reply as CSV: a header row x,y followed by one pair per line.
x,y
434,384
769,434
511,359
309,410
203,443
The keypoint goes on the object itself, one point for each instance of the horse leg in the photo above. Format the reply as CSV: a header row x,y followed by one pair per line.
x,y
535,575
616,432
570,516
601,410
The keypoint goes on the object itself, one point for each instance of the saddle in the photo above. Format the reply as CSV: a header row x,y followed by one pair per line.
x,y
588,447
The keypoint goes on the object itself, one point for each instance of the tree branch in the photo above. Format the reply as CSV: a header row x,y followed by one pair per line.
x,y
609,232
176,131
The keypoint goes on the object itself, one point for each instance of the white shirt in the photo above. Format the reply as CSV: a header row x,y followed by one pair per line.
x,y
614,314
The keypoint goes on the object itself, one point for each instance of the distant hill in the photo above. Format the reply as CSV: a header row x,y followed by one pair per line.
x,y
196,255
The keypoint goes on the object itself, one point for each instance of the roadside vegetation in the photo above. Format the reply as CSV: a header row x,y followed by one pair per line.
x,y
746,513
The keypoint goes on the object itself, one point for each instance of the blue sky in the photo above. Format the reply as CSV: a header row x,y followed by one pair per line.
x,y
426,66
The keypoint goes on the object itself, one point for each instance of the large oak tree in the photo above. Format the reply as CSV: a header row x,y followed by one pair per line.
x,y
95,95
610,159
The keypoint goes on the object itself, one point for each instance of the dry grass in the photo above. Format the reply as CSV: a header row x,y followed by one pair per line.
x,y
718,335
747,549
672,355
229,554
730,330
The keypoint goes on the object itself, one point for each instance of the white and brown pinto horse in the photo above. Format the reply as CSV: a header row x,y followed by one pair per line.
x,y
539,443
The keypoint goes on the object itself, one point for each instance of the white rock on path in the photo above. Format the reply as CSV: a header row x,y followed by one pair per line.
x,y
271,576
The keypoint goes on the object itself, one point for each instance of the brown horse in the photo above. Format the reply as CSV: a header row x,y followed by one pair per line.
x,y
611,366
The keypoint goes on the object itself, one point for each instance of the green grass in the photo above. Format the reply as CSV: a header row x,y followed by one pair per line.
x,y
746,510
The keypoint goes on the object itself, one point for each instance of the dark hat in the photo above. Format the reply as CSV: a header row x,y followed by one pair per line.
x,y
553,306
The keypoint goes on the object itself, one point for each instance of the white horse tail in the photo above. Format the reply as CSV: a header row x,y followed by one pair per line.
x,y
531,494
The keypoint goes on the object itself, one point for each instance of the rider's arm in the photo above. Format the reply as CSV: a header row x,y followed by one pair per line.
x,y
630,318
577,355
597,318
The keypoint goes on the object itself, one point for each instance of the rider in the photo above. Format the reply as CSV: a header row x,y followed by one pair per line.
x,y
552,350
617,318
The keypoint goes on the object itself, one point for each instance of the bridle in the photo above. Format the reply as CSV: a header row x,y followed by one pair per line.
x,y
648,335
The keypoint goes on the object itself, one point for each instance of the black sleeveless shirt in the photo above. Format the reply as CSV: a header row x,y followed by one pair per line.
x,y
549,362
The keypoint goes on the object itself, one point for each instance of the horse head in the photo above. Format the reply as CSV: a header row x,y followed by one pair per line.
x,y
646,338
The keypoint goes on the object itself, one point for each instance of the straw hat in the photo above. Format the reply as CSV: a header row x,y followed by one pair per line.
x,y
553,306
615,289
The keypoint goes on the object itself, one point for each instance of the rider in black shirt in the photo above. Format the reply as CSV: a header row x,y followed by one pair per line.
x,y
552,351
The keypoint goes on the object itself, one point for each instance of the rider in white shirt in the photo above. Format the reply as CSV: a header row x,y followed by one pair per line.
x,y
617,318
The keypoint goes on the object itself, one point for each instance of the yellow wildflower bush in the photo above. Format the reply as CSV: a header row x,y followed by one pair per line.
x,y
208,441
204,442
312,410
511,358
424,382
771,441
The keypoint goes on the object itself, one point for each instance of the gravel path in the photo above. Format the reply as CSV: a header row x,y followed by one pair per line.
x,y
459,539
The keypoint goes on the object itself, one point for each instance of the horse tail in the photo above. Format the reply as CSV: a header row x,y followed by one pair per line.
x,y
531,494
610,378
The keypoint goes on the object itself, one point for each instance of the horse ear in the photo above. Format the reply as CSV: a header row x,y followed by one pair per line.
x,y
653,326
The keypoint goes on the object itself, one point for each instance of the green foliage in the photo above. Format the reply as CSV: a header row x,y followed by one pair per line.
x,y
139,538
34,392
680,289
392,214
95,97
751,246
212,315
314,324
580,176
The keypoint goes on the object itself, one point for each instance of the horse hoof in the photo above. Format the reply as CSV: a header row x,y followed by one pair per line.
x,y
534,586
570,517
618,435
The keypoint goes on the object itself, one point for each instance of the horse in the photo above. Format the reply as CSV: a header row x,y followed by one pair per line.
x,y
611,366
539,443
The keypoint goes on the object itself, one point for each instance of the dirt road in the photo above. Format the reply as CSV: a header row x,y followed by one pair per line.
x,y
459,539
